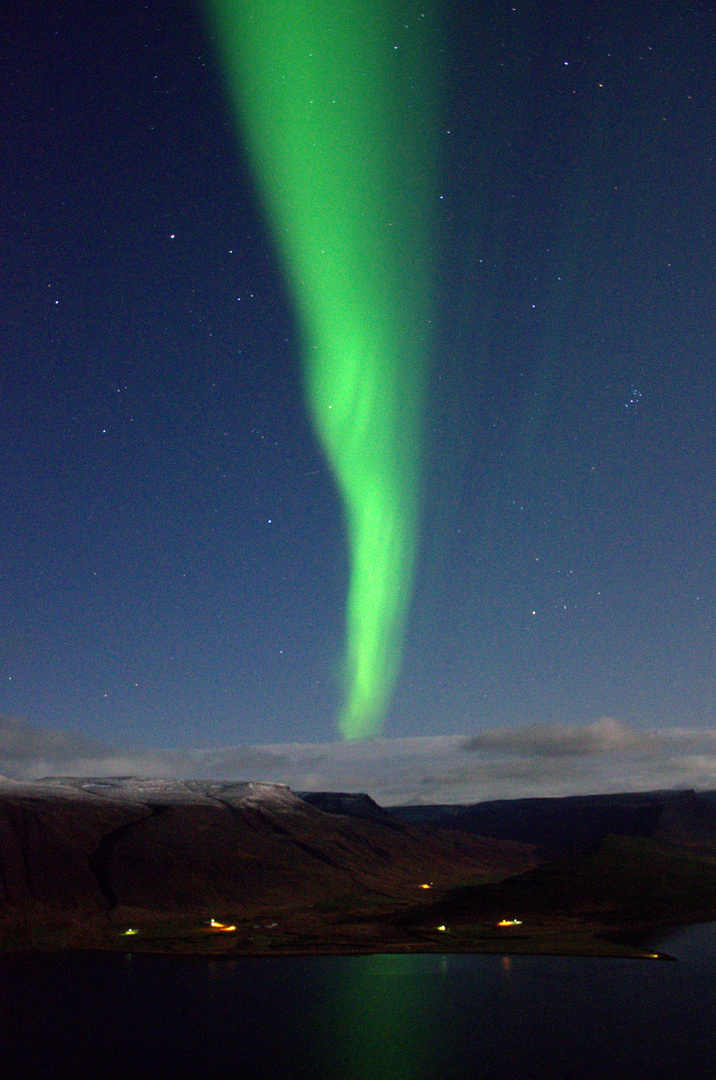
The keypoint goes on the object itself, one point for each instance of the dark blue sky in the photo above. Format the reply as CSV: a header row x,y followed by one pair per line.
x,y
173,556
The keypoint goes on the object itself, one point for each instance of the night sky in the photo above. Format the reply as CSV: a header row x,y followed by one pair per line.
x,y
174,558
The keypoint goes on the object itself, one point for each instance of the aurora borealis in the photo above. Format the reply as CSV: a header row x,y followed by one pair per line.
x,y
337,102
193,519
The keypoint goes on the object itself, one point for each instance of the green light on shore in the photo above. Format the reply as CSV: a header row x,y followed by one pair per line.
x,y
336,101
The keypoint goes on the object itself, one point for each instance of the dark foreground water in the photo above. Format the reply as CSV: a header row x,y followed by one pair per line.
x,y
373,1018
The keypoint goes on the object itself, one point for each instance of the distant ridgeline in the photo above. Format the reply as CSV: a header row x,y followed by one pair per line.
x,y
557,826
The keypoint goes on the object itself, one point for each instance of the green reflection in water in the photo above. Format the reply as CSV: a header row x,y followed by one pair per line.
x,y
378,1020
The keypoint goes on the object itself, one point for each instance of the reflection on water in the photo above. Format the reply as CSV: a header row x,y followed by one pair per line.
x,y
379,1021
402,1017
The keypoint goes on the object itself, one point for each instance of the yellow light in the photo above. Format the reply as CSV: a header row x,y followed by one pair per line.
x,y
126,933
442,928
426,886
510,922
220,925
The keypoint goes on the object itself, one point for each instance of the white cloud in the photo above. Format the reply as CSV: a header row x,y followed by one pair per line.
x,y
606,756
560,740
19,741
28,753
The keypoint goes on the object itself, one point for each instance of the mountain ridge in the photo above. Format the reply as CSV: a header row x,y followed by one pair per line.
x,y
234,867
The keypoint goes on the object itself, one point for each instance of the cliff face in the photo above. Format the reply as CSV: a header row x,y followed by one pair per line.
x,y
88,848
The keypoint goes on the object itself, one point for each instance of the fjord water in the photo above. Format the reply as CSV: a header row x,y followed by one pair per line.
x,y
389,1017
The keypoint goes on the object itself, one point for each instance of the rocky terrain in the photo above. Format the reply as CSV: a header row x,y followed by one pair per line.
x,y
83,861
241,867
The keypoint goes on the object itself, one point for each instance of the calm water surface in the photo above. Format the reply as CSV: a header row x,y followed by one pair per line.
x,y
373,1018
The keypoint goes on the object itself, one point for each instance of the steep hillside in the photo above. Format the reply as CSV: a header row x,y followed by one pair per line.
x,y
129,850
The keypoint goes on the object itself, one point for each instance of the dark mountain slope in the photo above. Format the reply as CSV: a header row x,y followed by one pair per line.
x,y
171,847
559,826
620,882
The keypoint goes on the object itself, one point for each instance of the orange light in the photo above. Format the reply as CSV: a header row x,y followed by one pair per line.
x,y
220,926
426,886
510,922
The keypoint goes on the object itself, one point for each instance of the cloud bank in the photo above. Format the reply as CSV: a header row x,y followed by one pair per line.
x,y
502,763
29,753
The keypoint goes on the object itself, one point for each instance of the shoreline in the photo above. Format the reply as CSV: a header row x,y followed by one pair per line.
x,y
199,942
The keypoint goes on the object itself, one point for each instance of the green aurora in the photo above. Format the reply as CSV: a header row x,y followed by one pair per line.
x,y
336,102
